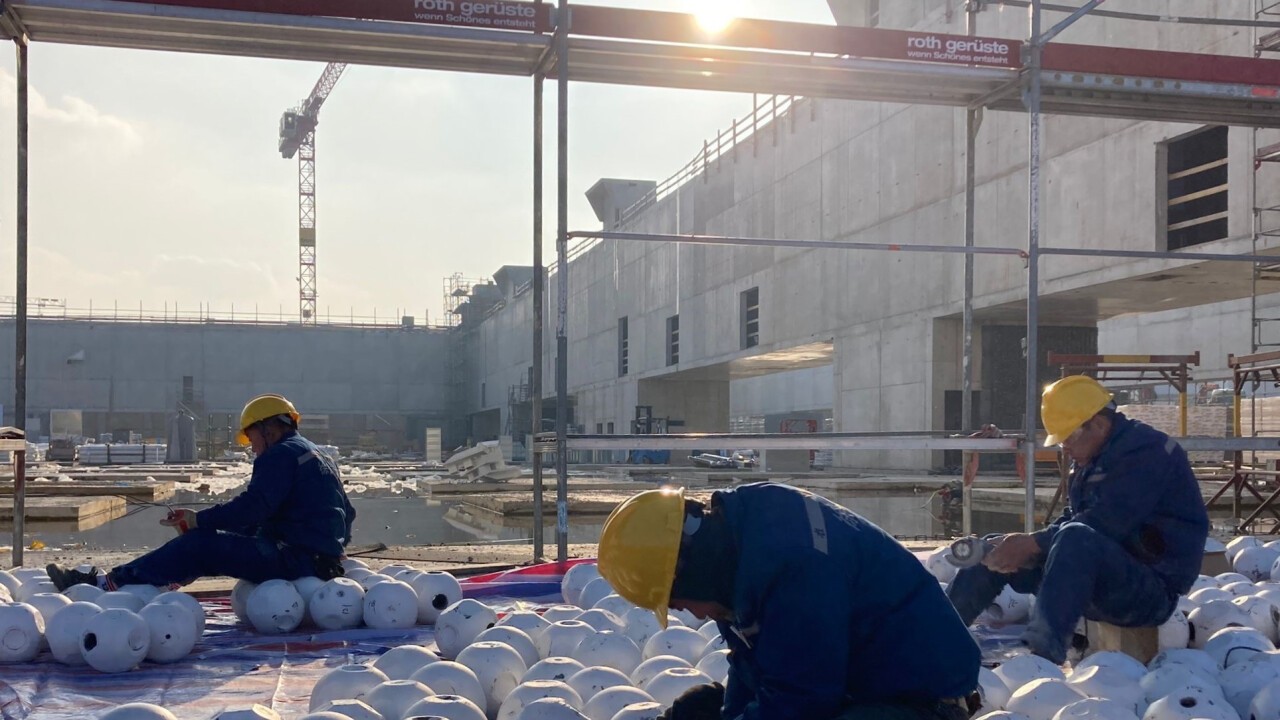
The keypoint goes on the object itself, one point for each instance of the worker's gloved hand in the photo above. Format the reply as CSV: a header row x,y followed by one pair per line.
x,y
699,703
328,568
180,519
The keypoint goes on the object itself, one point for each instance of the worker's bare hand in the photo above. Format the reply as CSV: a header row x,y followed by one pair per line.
x,y
988,431
180,518
1012,553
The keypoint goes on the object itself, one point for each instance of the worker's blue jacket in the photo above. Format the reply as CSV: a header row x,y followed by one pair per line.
x,y
1140,492
831,611
294,497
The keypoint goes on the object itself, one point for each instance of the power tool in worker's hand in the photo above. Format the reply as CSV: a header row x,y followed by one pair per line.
x,y
698,703
969,551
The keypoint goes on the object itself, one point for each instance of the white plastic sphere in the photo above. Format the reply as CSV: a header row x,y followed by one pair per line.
x,y
670,684
1241,588
601,620
307,587
48,604
350,563
1009,607
390,604
530,623
189,602
147,593
392,569
550,709
1114,660
1212,617
138,711
611,701
553,668
609,649
715,665
1232,645
352,709
1022,669
400,663
615,604
593,592
515,637
5,597
640,624
358,574
1189,704
117,600
275,607
1193,658
172,631
25,574
1170,679
373,579
1095,709
994,693
1255,563
1227,578
1242,681
562,638
460,623
338,605
498,667
1266,704
1203,581
436,591
591,680
575,579
346,682
1174,632
527,692
83,592
240,599
257,712
392,698
1041,699
64,635
21,632
115,640
1239,543
1110,683
1264,616
556,613
687,618
9,582
682,642
648,669
640,711
452,678
33,588
1204,595
447,707
709,630
714,644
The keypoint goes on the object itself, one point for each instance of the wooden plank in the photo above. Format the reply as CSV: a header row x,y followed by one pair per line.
x,y
63,509
149,491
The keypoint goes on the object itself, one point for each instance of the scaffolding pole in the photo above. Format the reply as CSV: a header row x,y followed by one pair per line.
x,y
539,285
562,279
972,121
1031,409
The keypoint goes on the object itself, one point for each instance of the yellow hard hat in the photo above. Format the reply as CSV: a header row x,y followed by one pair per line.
x,y
261,408
639,546
1069,403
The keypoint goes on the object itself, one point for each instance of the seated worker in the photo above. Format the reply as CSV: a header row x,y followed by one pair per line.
x,y
824,614
1128,543
293,520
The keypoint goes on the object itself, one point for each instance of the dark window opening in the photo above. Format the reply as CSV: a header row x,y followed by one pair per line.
x,y
673,340
623,350
750,318
1196,208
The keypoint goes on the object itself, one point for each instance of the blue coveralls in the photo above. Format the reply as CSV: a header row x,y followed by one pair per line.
x,y
833,617
1128,543
293,510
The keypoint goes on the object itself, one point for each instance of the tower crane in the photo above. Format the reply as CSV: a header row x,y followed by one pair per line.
x,y
298,135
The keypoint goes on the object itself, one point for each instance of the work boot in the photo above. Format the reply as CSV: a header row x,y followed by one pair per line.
x,y
64,578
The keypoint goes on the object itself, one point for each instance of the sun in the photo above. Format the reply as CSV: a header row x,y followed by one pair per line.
x,y
713,15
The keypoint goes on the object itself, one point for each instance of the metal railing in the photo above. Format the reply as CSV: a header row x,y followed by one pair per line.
x,y
203,314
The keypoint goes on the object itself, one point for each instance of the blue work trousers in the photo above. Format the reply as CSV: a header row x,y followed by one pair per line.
x,y
1085,574
201,553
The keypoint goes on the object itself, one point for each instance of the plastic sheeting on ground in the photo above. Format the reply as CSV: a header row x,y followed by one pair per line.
x,y
234,667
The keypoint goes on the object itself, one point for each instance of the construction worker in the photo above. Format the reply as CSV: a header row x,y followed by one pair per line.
x,y
1128,543
293,520
824,614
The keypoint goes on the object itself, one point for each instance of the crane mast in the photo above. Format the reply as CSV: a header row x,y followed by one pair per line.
x,y
298,136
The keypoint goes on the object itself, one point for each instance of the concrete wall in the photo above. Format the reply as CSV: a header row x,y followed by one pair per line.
x,y
887,173
393,376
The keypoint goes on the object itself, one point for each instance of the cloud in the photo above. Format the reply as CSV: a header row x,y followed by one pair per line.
x,y
68,113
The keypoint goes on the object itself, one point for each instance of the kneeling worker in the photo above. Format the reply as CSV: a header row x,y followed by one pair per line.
x,y
1128,543
293,520
824,614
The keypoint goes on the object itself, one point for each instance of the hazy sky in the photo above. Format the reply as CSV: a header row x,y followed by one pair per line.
x,y
155,176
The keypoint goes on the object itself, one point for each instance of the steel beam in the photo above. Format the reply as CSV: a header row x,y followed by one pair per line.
x,y
539,287
562,277
774,242
807,441
1066,22
20,319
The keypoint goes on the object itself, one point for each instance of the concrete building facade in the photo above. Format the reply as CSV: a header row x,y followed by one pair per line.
x,y
875,338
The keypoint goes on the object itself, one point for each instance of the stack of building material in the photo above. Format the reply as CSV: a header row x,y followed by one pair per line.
x,y
482,462
122,454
